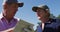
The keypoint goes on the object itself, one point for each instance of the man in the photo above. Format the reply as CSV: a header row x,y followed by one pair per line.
x,y
7,19
47,24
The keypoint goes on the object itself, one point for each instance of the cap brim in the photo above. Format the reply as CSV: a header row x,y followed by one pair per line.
x,y
20,4
34,9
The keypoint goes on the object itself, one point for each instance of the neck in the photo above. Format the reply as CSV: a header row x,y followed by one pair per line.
x,y
43,26
9,18
44,20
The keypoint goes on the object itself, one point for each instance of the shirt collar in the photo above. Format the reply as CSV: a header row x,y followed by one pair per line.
x,y
1,15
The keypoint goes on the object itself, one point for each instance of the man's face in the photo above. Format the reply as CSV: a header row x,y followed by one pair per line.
x,y
41,13
10,9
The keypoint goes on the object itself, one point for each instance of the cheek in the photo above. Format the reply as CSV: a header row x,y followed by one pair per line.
x,y
13,12
38,14
14,9
6,11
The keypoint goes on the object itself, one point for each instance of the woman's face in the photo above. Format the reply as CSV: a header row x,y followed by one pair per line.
x,y
41,13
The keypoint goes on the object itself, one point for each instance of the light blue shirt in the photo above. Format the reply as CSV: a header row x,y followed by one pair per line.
x,y
39,29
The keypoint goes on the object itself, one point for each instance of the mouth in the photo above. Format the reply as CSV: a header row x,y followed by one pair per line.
x,y
39,17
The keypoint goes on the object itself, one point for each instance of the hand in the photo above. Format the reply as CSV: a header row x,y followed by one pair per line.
x,y
10,31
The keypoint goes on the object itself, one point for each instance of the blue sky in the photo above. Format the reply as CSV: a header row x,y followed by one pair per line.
x,y
28,15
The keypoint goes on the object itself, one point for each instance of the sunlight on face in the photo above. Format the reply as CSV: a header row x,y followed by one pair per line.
x,y
40,12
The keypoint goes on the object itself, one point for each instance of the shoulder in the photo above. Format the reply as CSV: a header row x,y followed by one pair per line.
x,y
57,19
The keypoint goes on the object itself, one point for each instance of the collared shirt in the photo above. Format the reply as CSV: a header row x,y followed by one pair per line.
x,y
5,26
52,25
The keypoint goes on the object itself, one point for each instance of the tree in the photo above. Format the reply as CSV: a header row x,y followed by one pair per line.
x,y
58,16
